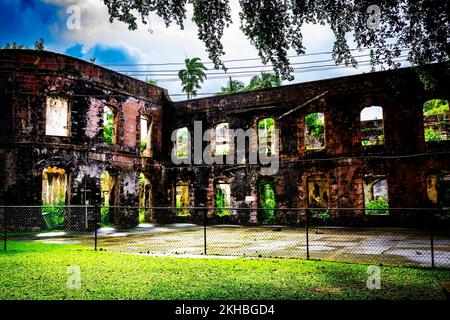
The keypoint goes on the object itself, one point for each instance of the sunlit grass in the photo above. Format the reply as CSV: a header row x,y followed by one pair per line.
x,y
39,271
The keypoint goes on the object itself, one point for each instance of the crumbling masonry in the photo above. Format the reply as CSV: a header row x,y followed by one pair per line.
x,y
52,134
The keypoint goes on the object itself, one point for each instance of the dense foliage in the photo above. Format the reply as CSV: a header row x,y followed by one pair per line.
x,y
378,207
268,203
108,126
436,113
54,215
315,131
258,82
275,26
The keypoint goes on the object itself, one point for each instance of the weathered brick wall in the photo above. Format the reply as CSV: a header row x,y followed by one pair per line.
x,y
344,161
28,78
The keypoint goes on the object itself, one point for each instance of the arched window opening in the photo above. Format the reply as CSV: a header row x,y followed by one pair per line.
x,y
223,198
182,198
110,125
109,194
57,117
222,139
182,143
318,196
372,126
145,199
436,119
146,136
438,190
267,201
376,196
266,136
315,131
54,189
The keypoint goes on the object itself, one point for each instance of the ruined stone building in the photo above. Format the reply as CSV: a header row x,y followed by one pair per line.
x,y
75,133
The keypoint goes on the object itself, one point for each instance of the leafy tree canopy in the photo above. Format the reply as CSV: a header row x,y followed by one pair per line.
x,y
275,26
266,80
233,86
192,76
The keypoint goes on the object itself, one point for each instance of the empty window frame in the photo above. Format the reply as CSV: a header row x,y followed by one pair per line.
x,y
110,125
376,195
182,143
267,201
182,198
432,188
266,136
318,191
438,190
145,199
57,117
109,195
318,196
54,189
222,139
146,136
315,131
54,186
222,198
436,119
372,126
444,194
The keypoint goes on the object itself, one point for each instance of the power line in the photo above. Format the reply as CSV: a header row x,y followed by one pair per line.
x,y
251,67
182,63
251,72
296,70
237,60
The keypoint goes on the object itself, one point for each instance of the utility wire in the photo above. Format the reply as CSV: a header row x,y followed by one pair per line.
x,y
255,66
252,72
296,70
182,63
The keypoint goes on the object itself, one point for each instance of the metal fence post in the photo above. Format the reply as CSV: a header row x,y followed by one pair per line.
x,y
5,210
432,239
205,220
307,234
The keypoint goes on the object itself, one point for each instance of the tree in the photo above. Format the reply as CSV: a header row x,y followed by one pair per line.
x,y
233,86
266,80
192,76
14,46
39,45
151,82
275,26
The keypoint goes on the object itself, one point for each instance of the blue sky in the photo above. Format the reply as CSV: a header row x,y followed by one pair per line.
x,y
25,21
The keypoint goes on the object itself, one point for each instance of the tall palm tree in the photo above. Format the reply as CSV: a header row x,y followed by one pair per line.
x,y
266,80
233,86
192,76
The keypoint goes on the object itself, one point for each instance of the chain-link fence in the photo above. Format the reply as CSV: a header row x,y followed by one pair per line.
x,y
344,234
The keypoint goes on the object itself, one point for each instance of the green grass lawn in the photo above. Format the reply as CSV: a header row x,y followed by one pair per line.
x,y
39,271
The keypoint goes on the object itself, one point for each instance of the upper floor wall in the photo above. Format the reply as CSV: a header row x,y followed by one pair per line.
x,y
54,99
348,128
